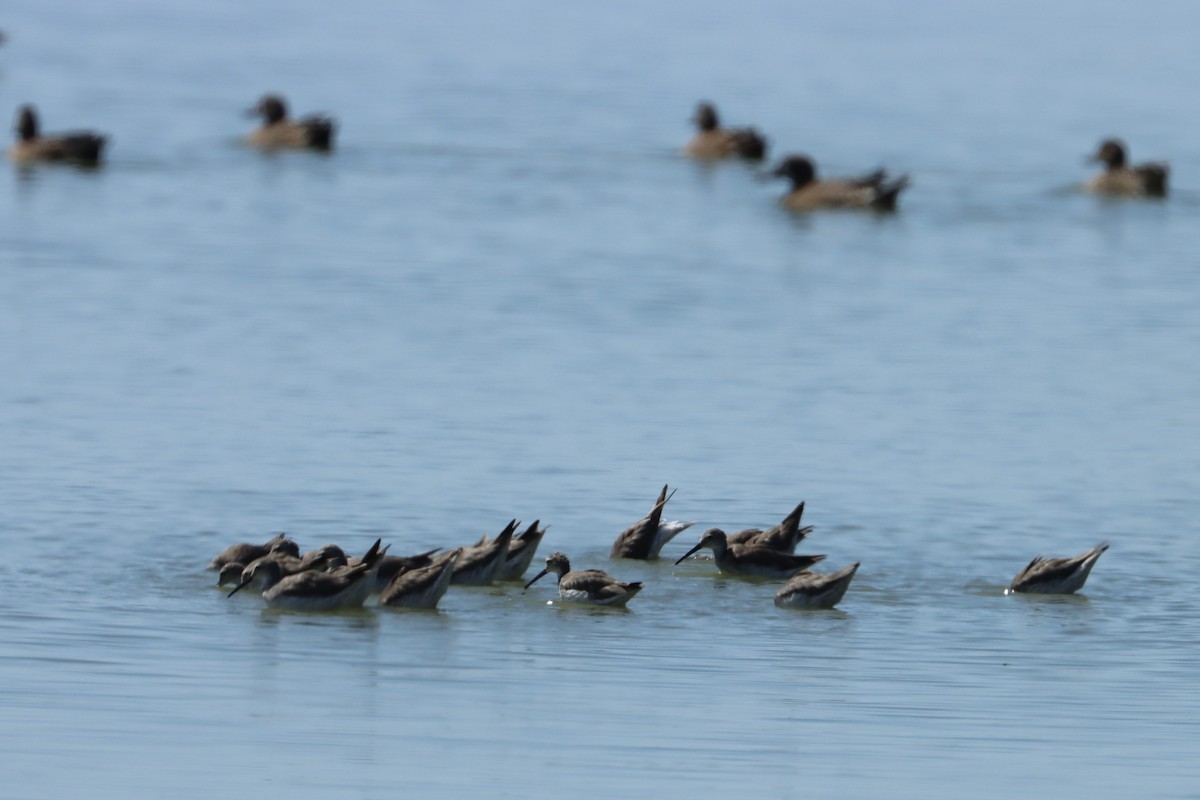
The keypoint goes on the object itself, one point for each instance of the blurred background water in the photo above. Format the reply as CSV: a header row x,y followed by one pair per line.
x,y
506,294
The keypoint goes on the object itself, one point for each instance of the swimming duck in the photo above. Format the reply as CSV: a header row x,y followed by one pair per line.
x,y
646,537
1057,575
808,192
816,590
1144,180
587,585
314,132
783,537
748,559
76,147
712,141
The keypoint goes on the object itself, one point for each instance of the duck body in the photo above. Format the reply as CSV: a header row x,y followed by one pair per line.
x,y
712,142
811,590
1121,180
279,132
1057,575
83,148
592,586
875,191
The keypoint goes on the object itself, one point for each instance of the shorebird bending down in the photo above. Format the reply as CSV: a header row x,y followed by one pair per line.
x,y
816,590
420,587
1057,575
783,537
345,587
645,538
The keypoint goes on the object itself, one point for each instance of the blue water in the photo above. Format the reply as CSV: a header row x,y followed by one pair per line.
x,y
506,294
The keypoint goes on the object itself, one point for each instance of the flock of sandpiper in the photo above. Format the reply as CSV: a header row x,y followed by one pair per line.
x,y
326,579
876,190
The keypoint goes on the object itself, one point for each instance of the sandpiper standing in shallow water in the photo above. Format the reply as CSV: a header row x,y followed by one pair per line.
x,y
1056,575
420,587
311,590
753,560
782,537
587,585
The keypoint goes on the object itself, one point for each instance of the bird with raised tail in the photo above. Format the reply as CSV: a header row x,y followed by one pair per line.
x,y
645,538
816,590
746,559
1056,575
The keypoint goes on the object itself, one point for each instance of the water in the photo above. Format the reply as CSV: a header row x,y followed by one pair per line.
x,y
506,295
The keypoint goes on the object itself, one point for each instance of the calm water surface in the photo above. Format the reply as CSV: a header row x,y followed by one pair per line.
x,y
506,295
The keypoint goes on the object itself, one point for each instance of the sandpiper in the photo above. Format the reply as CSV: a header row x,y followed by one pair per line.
x,y
816,590
1057,575
587,585
783,537
478,564
521,551
245,553
746,559
645,538
420,587
311,590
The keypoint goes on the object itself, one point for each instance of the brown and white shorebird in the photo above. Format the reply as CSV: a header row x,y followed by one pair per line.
x,y
311,590
420,587
816,590
521,550
1056,575
1120,179
748,559
478,564
645,538
783,537
587,585
244,553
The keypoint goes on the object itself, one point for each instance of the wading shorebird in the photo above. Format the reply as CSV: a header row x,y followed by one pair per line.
x,y
816,590
743,559
712,142
1121,180
808,193
420,587
587,585
1057,575
346,587
77,147
645,538
478,564
783,537
521,550
313,132
245,553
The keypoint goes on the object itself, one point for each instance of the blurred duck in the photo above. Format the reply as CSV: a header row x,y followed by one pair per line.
x,y
278,132
420,587
586,585
816,590
645,538
748,559
76,147
783,537
874,191
312,590
478,564
1057,575
1118,179
245,553
714,142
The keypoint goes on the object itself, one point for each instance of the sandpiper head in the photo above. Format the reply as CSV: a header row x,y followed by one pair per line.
x,y
800,170
1112,153
557,563
271,108
27,123
261,574
706,118
231,574
713,538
